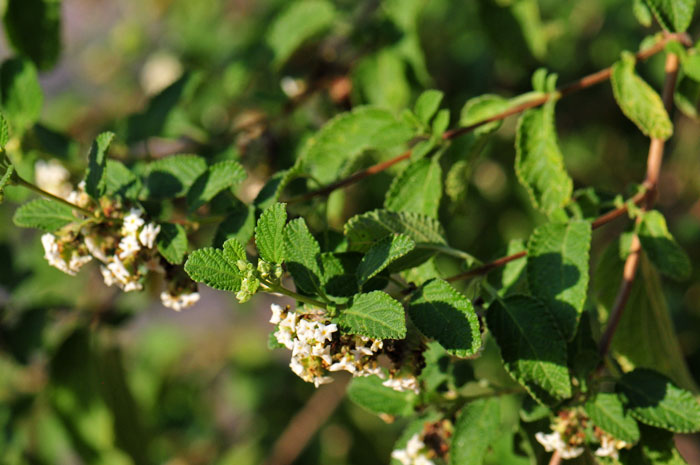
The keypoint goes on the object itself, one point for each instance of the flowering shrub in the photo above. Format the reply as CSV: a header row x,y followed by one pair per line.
x,y
380,294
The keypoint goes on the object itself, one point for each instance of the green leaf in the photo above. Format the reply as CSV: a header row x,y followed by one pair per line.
x,y
234,251
642,13
364,230
330,153
691,65
239,224
33,28
95,180
302,254
481,108
381,78
656,447
427,105
661,248
299,22
376,315
417,189
638,100
607,412
382,254
269,233
272,190
649,320
673,15
368,393
120,181
5,180
441,123
45,214
223,175
4,131
687,96
214,268
532,348
539,163
557,270
442,313
20,93
172,242
173,176
339,279
654,400
477,426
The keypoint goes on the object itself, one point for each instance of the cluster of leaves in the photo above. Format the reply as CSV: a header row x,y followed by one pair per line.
x,y
380,273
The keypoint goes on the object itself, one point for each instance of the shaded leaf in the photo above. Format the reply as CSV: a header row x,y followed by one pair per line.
x,y
607,412
364,230
33,28
654,400
557,270
442,313
95,180
172,176
20,93
533,350
368,393
427,105
673,15
223,175
302,256
120,181
477,426
661,248
382,254
172,242
239,224
417,189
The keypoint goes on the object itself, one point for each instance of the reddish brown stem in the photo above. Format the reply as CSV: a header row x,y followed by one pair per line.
x,y
597,223
556,458
654,159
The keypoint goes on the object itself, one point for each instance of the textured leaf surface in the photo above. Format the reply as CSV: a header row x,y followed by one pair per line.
x,y
557,270
364,230
172,176
120,181
4,131
427,104
211,267
368,393
331,151
95,179
5,180
376,315
481,108
539,163
649,321
661,248
239,224
533,350
382,254
45,214
172,242
381,78
477,426
299,22
674,15
638,100
220,176
302,256
34,29
269,233
417,189
20,93
442,313
653,399
607,412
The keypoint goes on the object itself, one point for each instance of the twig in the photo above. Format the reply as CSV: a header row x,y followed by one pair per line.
x,y
654,159
306,422
597,223
49,195
583,83
556,458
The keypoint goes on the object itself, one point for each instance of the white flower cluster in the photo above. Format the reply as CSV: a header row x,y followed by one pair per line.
x,y
403,383
318,348
60,256
609,445
123,267
179,301
415,453
555,441
52,177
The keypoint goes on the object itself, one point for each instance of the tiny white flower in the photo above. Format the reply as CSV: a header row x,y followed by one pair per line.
x,y
284,337
290,321
402,456
119,270
133,221
108,276
324,352
52,177
296,366
128,246
133,286
305,330
414,445
178,302
276,313
423,460
325,332
48,240
301,348
95,250
77,261
319,380
148,235
377,345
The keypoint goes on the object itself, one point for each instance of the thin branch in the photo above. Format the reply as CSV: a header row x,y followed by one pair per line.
x,y
301,429
583,83
556,458
654,159
49,195
597,223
